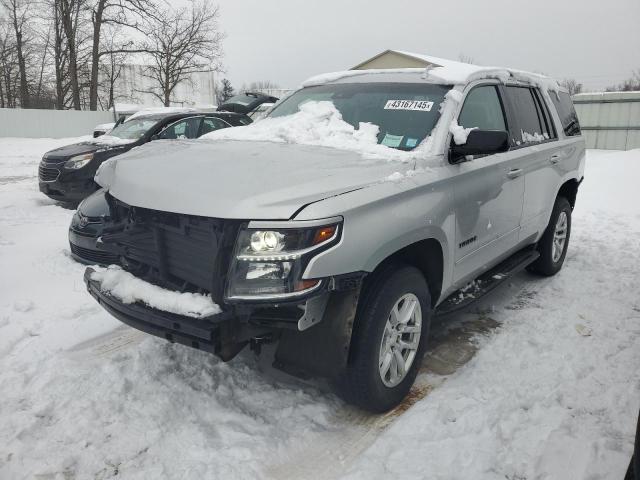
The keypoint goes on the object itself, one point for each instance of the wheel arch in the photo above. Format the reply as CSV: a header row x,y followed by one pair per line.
x,y
428,256
569,190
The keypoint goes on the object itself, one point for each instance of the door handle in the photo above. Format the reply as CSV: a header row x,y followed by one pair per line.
x,y
515,173
555,158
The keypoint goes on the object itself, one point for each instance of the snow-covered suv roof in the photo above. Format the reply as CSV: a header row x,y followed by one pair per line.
x,y
443,71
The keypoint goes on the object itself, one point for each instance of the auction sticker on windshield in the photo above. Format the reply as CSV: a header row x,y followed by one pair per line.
x,y
420,105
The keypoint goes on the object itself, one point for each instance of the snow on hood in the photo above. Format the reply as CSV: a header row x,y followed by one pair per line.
x,y
109,140
239,179
318,124
130,289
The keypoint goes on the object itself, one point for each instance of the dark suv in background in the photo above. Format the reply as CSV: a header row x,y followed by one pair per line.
x,y
66,173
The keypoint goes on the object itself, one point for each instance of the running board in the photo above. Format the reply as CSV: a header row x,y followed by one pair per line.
x,y
485,283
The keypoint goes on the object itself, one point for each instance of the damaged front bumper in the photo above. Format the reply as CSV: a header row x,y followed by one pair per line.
x,y
320,347
200,333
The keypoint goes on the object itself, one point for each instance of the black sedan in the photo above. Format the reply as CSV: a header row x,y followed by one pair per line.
x,y
66,174
86,227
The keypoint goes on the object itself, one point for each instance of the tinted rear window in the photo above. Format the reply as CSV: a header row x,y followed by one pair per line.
x,y
531,127
566,112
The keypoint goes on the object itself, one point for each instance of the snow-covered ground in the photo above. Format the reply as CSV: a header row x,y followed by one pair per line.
x,y
541,381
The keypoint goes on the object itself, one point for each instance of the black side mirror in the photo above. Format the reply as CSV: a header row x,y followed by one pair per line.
x,y
480,142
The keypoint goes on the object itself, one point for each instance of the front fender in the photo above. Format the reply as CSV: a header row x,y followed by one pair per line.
x,y
376,228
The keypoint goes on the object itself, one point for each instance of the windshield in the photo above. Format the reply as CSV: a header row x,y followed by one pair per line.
x,y
404,112
133,129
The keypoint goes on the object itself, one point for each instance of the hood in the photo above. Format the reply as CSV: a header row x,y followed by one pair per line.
x,y
246,102
103,142
63,154
241,180
95,205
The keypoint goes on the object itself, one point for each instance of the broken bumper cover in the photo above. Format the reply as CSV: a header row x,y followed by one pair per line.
x,y
200,333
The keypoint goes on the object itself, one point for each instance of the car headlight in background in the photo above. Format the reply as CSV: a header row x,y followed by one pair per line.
x,y
78,161
269,262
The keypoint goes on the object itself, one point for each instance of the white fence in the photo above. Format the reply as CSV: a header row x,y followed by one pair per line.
x,y
34,123
609,120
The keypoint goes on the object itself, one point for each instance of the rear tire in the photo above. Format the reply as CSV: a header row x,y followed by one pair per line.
x,y
389,338
555,240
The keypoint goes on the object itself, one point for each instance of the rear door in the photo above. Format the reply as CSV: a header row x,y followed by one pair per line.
x,y
184,128
210,124
488,194
534,139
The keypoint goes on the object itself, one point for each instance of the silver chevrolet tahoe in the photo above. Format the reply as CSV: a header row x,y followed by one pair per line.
x,y
341,259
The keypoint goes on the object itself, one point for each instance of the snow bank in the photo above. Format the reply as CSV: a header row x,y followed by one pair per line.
x,y
130,289
86,397
319,124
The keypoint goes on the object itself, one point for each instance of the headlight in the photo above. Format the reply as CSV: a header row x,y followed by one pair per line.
x,y
269,262
78,161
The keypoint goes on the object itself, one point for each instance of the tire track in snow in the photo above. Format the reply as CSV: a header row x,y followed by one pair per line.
x,y
328,454
108,344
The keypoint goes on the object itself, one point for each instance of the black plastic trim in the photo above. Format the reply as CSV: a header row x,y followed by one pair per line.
x,y
194,332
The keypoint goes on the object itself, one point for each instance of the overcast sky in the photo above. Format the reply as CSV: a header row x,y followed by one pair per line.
x,y
286,41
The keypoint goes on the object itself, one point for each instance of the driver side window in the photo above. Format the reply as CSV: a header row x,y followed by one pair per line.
x,y
186,128
482,109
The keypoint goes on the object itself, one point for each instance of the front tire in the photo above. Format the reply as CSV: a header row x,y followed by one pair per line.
x,y
389,338
555,240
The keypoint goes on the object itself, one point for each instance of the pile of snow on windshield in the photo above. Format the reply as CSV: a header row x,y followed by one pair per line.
x,y
316,123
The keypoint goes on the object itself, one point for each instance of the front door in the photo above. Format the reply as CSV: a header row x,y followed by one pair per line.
x,y
488,192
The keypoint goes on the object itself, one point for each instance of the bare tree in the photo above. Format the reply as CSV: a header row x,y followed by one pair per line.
x,y
9,72
572,85
464,58
629,85
125,13
19,11
224,91
60,57
180,43
69,15
260,86
112,62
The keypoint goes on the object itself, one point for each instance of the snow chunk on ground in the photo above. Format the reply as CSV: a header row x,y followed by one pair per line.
x,y
460,133
318,124
129,289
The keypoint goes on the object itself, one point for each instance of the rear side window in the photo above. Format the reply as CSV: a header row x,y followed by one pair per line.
x,y
532,122
567,113
187,128
209,124
482,109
